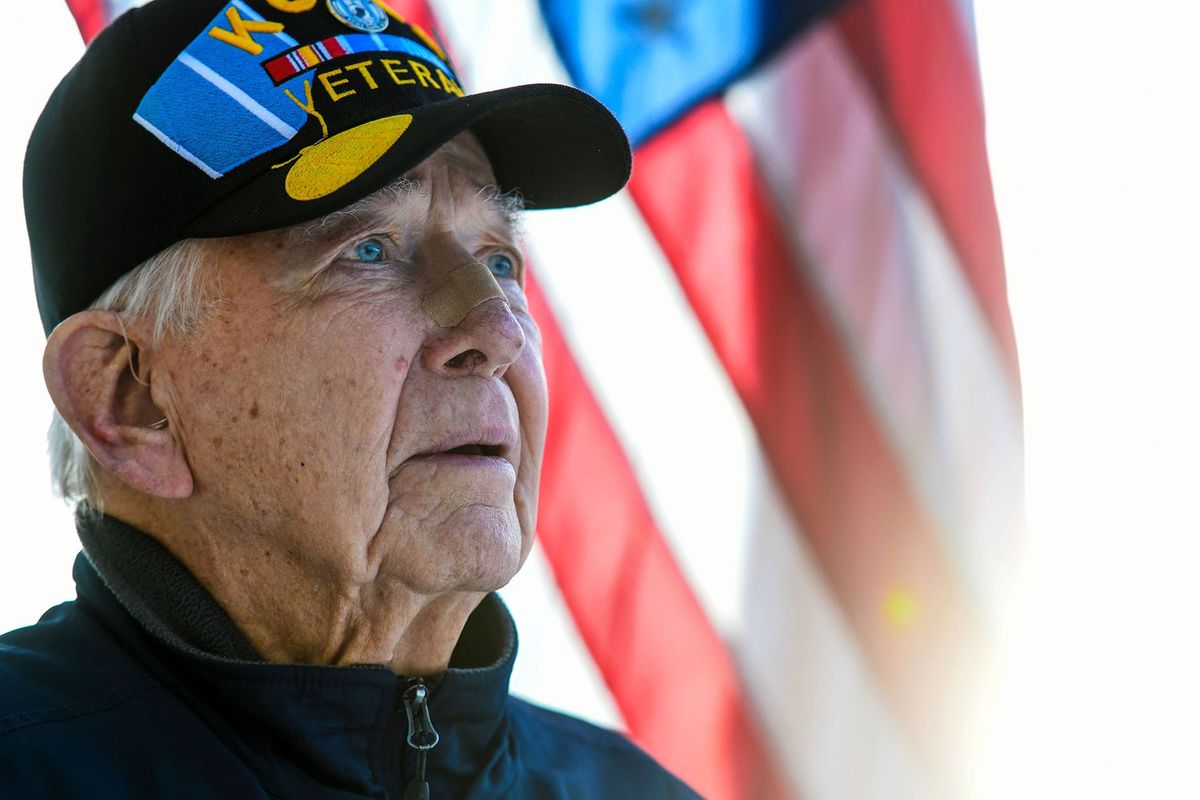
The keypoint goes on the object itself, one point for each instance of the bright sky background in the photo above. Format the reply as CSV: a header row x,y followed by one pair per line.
x,y
1094,134
1093,128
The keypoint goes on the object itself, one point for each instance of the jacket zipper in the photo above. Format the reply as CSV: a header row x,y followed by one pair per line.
x,y
421,735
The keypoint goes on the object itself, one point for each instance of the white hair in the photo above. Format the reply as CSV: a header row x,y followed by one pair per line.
x,y
170,293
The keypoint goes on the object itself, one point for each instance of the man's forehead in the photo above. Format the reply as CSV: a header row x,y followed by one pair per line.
x,y
459,167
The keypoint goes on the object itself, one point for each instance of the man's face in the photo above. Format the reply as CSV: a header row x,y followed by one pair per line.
x,y
330,422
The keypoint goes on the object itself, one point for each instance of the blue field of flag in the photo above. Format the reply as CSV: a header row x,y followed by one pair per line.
x,y
651,60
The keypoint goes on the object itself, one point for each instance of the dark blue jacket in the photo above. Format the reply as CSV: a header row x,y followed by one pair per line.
x,y
143,688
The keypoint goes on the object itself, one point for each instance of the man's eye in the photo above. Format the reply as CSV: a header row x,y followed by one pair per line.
x,y
369,251
502,266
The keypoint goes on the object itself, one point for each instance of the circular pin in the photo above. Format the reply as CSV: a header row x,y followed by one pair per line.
x,y
361,15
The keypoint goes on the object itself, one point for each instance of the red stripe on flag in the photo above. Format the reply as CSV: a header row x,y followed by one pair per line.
x,y
668,669
914,57
90,16
698,189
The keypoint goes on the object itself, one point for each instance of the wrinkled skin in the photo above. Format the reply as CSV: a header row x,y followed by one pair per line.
x,y
312,407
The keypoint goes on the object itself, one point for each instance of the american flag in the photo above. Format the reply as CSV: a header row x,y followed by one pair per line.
x,y
783,476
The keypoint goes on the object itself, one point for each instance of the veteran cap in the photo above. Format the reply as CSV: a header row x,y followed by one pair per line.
x,y
203,118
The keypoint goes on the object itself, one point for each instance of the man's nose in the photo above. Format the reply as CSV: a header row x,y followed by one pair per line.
x,y
484,343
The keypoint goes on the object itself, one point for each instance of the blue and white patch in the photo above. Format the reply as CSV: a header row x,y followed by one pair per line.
x,y
215,106
361,15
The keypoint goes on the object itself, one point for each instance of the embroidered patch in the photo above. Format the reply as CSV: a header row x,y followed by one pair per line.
x,y
244,88
332,163
361,15
214,105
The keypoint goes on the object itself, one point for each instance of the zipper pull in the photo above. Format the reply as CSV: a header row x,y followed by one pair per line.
x,y
421,735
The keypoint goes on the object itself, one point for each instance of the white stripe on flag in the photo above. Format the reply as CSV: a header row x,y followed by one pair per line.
x,y
244,100
874,250
554,667
662,388
819,702
176,146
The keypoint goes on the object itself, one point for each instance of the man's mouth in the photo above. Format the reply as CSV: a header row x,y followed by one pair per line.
x,y
491,447
473,456
491,450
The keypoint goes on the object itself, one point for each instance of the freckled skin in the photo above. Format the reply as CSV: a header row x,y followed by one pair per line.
x,y
302,405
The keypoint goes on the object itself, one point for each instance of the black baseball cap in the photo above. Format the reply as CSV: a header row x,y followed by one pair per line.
x,y
205,118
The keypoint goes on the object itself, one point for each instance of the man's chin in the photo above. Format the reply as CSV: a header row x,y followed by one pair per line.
x,y
477,548
489,543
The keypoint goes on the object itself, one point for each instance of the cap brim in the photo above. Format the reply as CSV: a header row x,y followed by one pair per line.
x,y
554,144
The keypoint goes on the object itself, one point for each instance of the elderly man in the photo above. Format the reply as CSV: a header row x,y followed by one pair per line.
x,y
301,395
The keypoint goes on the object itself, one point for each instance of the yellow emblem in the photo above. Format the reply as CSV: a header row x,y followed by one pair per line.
x,y
332,163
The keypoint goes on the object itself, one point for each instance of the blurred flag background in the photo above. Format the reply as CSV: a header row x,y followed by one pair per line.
x,y
781,538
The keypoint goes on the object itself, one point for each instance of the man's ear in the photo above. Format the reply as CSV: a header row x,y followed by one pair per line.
x,y
89,368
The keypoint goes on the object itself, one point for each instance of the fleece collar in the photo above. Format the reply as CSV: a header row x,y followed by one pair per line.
x,y
343,728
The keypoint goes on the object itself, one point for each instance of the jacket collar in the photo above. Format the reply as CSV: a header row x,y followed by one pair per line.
x,y
346,725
